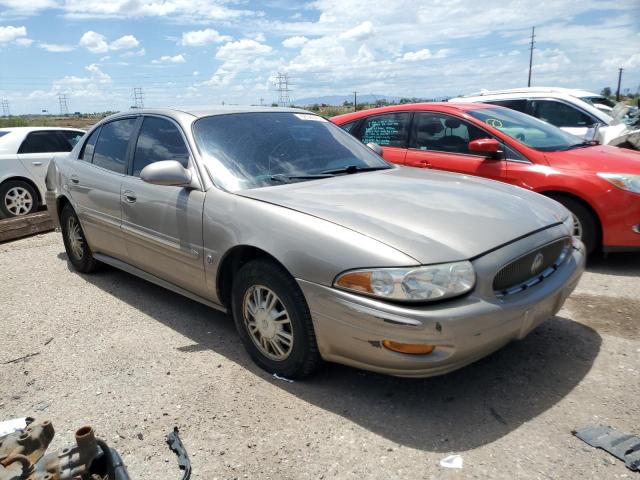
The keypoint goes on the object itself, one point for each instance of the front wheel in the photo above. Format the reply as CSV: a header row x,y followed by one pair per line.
x,y
75,242
273,320
585,226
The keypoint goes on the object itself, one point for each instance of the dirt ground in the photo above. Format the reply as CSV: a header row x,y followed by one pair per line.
x,y
134,360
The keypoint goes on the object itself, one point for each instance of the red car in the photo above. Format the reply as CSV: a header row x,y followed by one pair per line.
x,y
599,184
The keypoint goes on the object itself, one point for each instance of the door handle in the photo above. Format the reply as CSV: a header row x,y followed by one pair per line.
x,y
74,179
129,196
37,164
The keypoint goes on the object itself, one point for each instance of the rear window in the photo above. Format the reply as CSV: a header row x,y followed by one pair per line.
x,y
45,141
2,134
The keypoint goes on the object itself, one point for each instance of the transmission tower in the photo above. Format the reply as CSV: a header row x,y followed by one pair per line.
x,y
282,86
64,108
138,97
5,108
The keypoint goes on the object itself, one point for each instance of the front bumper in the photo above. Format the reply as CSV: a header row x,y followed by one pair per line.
x,y
350,328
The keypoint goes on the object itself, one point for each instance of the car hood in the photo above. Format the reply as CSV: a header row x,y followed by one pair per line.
x,y
599,158
430,216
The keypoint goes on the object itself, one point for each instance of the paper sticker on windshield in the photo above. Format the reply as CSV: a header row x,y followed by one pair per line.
x,y
494,122
308,116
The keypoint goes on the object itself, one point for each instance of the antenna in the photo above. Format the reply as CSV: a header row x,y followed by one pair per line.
x,y
5,108
282,85
62,99
533,36
138,97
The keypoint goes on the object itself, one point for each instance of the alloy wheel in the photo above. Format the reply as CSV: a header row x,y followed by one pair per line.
x,y
267,322
18,201
76,241
577,226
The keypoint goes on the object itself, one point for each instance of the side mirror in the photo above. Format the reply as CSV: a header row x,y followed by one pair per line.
x,y
166,172
489,147
375,147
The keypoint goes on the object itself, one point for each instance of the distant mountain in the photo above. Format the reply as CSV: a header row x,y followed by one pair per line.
x,y
340,99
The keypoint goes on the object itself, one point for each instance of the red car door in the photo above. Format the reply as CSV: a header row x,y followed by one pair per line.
x,y
390,131
441,141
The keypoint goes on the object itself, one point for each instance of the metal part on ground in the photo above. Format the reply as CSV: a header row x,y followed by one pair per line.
x,y
175,444
22,456
623,446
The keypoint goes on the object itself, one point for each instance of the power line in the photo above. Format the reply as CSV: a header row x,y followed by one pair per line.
x,y
5,108
282,86
64,108
138,97
533,36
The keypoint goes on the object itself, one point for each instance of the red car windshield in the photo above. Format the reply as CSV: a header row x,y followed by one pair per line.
x,y
527,130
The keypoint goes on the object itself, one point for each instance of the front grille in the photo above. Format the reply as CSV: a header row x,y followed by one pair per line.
x,y
531,268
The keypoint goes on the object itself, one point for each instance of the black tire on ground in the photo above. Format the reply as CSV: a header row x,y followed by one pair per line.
x,y
304,357
590,228
81,258
15,186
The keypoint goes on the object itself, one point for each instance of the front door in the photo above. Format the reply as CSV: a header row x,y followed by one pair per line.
x,y
94,182
162,224
441,141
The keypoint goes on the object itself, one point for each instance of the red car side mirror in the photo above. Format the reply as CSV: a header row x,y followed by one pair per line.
x,y
487,146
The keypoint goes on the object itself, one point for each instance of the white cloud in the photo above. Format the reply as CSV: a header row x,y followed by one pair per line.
x,y
170,59
23,41
294,42
26,7
628,62
359,32
424,54
97,43
196,73
245,54
10,33
134,53
124,42
55,47
199,38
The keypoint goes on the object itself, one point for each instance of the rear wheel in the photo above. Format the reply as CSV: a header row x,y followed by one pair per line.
x,y
17,198
273,320
75,242
585,226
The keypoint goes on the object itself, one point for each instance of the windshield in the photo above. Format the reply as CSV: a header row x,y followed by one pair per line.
x,y
250,150
599,100
527,130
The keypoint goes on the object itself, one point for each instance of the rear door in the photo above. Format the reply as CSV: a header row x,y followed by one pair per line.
x,y
95,180
390,131
37,149
162,224
441,141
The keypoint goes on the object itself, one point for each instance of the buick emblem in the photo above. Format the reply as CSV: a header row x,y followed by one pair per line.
x,y
536,265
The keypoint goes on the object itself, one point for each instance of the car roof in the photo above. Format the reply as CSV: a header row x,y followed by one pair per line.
x,y
37,129
433,106
199,112
569,91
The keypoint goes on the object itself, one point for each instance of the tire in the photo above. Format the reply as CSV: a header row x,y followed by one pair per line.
x,y
252,285
75,243
17,198
587,228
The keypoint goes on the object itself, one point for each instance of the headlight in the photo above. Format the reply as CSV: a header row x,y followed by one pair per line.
x,y
625,181
432,282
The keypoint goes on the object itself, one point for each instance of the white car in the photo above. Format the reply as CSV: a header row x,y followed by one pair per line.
x,y
25,153
574,111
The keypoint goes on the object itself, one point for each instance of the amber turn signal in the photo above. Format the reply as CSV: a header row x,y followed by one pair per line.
x,y
358,281
413,348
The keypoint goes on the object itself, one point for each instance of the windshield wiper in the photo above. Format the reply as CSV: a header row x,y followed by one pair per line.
x,y
284,178
586,143
352,169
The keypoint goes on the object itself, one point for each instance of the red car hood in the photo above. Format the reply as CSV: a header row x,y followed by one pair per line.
x,y
599,158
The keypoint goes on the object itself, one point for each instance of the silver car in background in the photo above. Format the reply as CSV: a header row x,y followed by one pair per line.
x,y
318,247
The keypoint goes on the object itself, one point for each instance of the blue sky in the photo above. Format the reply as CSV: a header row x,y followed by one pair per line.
x,y
205,52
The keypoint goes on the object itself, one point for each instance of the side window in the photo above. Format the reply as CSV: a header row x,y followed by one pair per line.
x,y
389,130
560,114
70,137
43,142
519,105
87,150
111,147
159,139
443,133
347,127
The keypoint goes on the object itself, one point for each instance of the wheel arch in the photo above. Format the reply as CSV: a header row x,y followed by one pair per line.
x,y
28,181
61,202
554,194
231,262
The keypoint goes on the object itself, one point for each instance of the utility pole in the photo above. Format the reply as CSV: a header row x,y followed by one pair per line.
x,y
261,101
5,108
355,101
619,82
282,86
533,36
138,97
62,100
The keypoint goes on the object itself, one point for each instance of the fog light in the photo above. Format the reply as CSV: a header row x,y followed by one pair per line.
x,y
413,348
